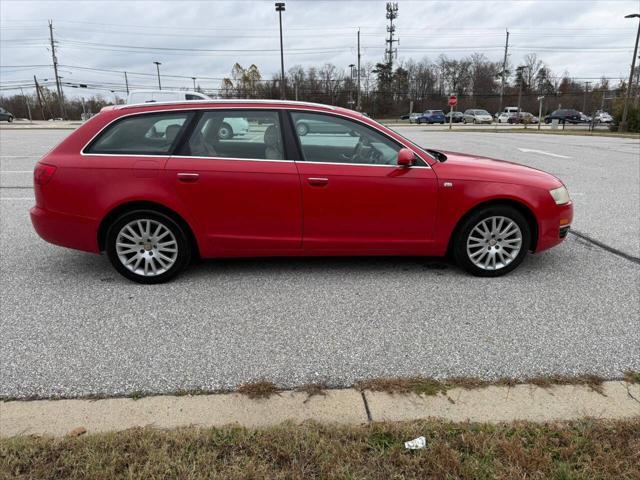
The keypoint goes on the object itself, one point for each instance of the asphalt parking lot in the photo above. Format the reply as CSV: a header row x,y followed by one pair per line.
x,y
71,326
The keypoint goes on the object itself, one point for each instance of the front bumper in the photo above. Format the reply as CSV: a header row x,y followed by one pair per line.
x,y
554,228
65,230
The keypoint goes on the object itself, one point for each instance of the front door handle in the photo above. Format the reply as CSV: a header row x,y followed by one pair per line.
x,y
188,177
317,181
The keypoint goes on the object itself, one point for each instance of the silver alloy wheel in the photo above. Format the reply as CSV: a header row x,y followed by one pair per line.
x,y
494,243
146,247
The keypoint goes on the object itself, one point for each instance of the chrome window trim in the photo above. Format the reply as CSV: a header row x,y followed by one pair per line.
x,y
226,107
235,159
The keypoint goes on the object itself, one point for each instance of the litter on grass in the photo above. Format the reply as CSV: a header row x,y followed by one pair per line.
x,y
416,443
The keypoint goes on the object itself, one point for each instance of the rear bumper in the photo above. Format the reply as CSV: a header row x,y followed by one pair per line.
x,y
554,229
65,230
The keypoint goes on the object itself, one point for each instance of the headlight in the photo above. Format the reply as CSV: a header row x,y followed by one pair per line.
x,y
560,195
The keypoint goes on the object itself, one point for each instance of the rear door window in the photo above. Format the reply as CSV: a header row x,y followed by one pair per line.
x,y
146,134
241,134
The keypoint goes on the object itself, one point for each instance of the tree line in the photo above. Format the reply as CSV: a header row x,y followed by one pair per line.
x,y
388,90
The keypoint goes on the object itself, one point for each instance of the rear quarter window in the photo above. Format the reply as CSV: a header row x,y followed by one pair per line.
x,y
144,134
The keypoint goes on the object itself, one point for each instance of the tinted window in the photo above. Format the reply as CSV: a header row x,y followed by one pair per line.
x,y
325,138
149,134
236,134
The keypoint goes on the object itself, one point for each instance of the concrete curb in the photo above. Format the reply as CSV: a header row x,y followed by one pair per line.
x,y
619,400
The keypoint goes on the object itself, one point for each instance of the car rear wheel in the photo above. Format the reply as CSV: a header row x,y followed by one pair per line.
x,y
302,129
225,132
147,247
10,119
492,241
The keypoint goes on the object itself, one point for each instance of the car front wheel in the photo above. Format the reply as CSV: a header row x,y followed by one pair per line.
x,y
147,247
492,241
10,119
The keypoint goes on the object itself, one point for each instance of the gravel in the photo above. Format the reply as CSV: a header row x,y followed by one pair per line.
x,y
71,326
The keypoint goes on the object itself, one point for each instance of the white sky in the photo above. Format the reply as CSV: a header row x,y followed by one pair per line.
x,y
586,38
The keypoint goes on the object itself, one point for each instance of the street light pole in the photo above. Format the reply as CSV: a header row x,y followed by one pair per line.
x,y
280,9
158,69
194,83
623,122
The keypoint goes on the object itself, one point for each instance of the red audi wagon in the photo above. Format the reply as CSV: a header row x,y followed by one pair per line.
x,y
157,185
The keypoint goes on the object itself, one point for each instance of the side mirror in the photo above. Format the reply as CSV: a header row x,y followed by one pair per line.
x,y
406,157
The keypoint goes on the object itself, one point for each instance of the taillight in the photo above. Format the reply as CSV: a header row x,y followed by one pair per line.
x,y
43,173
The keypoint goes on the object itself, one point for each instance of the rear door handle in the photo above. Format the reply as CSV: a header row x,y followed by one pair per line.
x,y
188,177
317,181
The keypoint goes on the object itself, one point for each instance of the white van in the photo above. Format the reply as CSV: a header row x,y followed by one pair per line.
x,y
230,128
149,96
506,113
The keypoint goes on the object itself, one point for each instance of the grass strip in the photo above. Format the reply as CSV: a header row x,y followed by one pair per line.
x,y
562,450
431,386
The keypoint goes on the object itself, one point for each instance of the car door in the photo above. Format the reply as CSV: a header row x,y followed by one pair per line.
x,y
356,199
242,192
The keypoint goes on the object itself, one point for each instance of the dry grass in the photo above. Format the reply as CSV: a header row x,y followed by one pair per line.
x,y
260,389
592,381
403,385
632,376
313,389
572,450
430,386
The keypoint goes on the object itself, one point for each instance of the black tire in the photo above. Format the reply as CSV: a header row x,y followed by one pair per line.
x,y
225,132
302,129
183,255
10,119
419,121
462,234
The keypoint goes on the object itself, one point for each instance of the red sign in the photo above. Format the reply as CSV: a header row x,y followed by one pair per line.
x,y
453,101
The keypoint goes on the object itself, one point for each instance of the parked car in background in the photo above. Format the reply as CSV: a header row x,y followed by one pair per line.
x,y
404,117
564,115
602,117
477,116
523,117
305,126
153,203
431,116
584,118
457,117
150,96
504,117
413,118
5,116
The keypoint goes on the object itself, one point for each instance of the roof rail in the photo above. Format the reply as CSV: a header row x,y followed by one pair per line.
x,y
225,101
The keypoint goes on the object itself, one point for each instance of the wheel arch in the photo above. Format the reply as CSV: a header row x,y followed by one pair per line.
x,y
145,205
521,207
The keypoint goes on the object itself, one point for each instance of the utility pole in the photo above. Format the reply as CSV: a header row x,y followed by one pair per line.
x,y
194,83
623,122
55,70
126,82
520,82
35,81
158,70
392,14
584,100
280,8
358,105
504,70
27,103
